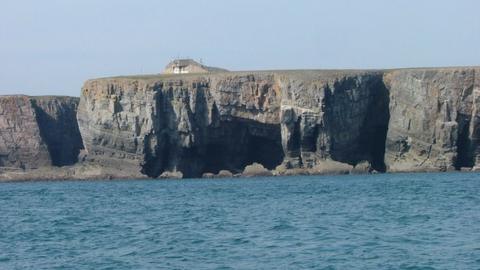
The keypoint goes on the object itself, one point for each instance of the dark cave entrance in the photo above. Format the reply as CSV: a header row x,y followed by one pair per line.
x,y
464,156
236,144
224,143
375,127
264,151
230,145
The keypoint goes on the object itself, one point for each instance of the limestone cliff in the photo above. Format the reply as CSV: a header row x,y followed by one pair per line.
x,y
199,124
180,123
434,120
56,118
21,144
38,132
217,124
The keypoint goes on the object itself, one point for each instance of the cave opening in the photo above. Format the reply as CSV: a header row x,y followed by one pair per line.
x,y
464,157
157,159
217,158
375,127
265,151
234,145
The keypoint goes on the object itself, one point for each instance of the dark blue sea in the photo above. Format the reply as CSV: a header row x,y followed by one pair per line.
x,y
387,221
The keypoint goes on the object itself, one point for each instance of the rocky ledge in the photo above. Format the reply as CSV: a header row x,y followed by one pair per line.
x,y
249,123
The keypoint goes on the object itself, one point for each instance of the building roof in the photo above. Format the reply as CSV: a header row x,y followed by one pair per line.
x,y
184,62
191,62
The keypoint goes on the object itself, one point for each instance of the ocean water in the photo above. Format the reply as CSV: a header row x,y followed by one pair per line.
x,y
387,221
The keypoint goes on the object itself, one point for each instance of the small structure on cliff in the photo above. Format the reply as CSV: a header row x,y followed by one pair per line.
x,y
183,66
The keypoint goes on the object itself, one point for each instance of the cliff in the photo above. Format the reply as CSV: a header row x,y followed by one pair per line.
x,y
434,119
266,122
56,118
38,132
21,143
288,121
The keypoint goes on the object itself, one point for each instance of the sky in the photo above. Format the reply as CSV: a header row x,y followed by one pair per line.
x,y
51,47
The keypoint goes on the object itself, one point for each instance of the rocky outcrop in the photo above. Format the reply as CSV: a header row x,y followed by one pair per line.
x,y
181,124
38,132
256,169
200,124
341,116
220,174
269,123
434,121
21,143
56,118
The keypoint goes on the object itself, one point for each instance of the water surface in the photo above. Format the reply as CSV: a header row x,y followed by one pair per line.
x,y
388,221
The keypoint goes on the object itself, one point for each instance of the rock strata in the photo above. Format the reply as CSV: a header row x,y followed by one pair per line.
x,y
21,142
282,122
434,120
200,124
37,133
57,120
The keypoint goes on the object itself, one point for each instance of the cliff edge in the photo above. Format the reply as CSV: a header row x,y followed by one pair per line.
x,y
234,123
38,136
308,122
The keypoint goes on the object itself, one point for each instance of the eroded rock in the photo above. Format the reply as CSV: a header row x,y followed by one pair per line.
x,y
171,175
200,124
331,167
283,122
433,119
256,169
38,132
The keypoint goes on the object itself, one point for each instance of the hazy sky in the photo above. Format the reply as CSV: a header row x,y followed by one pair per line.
x,y
52,47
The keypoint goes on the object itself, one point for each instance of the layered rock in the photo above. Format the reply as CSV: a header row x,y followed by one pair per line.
x,y
37,132
21,143
434,121
282,122
199,124
180,124
333,115
57,119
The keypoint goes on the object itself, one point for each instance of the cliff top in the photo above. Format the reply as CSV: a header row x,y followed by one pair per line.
x,y
46,97
298,73
40,99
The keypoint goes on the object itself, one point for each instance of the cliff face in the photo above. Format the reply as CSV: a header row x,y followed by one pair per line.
x,y
199,124
340,116
434,120
21,145
57,120
38,132
180,124
290,122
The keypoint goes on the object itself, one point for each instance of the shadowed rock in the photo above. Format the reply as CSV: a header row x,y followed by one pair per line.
x,y
57,119
21,143
287,122
434,123
200,124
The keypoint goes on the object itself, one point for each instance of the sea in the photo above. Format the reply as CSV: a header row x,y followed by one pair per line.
x,y
383,221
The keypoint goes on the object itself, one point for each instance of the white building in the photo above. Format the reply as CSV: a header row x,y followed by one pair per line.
x,y
183,66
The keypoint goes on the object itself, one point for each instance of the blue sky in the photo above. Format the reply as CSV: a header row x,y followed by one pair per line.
x,y
52,47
